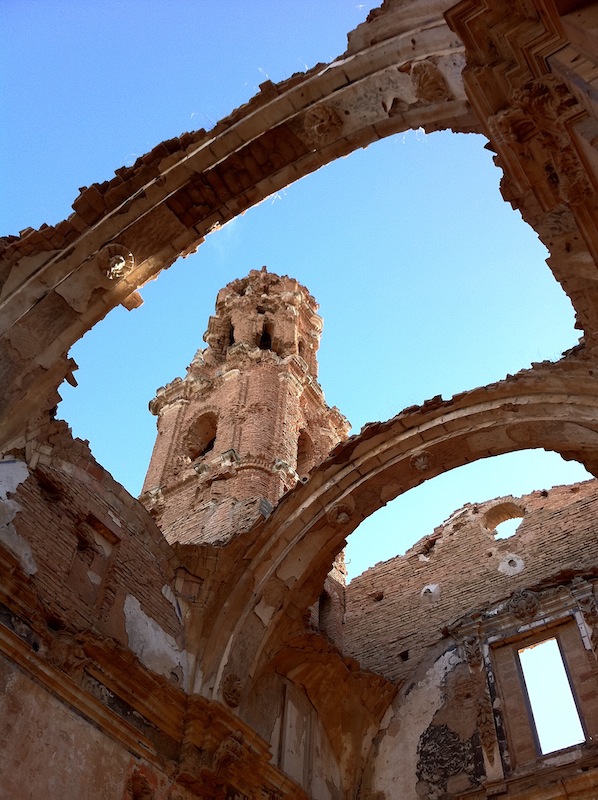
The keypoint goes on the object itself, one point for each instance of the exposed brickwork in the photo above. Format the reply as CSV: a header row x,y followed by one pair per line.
x,y
92,543
391,621
265,700
249,413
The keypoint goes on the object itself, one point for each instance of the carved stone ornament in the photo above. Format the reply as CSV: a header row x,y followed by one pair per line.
x,y
442,754
472,649
550,102
430,85
523,604
540,113
66,653
271,794
116,261
589,609
339,515
322,125
232,688
421,461
228,752
557,223
230,458
486,727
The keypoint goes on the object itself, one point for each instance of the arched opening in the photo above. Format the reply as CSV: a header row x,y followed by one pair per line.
x,y
153,353
265,342
201,437
415,516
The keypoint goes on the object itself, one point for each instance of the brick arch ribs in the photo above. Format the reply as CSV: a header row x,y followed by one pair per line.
x,y
56,283
546,408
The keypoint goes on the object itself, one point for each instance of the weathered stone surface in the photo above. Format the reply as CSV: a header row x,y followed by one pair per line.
x,y
200,645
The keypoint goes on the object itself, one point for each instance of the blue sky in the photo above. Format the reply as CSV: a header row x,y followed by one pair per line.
x,y
427,281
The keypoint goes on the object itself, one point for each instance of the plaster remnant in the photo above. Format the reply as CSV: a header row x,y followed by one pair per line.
x,y
173,600
511,564
102,542
264,611
94,577
12,473
151,644
396,764
430,593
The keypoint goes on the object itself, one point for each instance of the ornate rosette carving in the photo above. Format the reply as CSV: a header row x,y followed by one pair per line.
x,y
524,604
322,125
232,688
422,461
430,85
339,515
116,261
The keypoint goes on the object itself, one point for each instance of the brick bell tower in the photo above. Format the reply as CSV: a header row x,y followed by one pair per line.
x,y
249,419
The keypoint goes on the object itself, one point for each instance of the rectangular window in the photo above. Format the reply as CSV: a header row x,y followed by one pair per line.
x,y
553,707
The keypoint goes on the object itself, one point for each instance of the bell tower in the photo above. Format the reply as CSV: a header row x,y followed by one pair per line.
x,y
249,419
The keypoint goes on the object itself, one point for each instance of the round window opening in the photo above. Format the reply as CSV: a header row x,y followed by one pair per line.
x,y
504,519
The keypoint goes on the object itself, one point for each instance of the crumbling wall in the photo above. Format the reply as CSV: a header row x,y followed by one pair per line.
x,y
94,557
398,609
445,622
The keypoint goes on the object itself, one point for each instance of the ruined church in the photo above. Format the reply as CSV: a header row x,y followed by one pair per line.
x,y
201,641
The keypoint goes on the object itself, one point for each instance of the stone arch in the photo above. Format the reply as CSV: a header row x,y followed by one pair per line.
x,y
296,546
401,71
125,231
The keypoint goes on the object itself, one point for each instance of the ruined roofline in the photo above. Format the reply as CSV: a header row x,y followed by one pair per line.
x,y
482,510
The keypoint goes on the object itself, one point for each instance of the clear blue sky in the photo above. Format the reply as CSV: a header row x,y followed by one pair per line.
x,y
427,281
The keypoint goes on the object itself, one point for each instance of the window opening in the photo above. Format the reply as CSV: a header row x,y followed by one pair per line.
x,y
554,712
266,339
506,529
503,519
202,436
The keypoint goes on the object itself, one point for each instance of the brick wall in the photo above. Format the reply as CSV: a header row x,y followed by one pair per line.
x,y
391,620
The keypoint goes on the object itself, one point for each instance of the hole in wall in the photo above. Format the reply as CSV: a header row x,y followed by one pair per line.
x,y
416,515
265,342
201,436
508,528
503,519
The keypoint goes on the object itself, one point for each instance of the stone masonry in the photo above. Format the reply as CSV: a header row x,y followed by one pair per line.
x,y
201,643
248,420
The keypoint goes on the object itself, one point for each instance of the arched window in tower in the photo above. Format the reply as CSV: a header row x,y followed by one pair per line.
x,y
265,342
201,436
305,454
